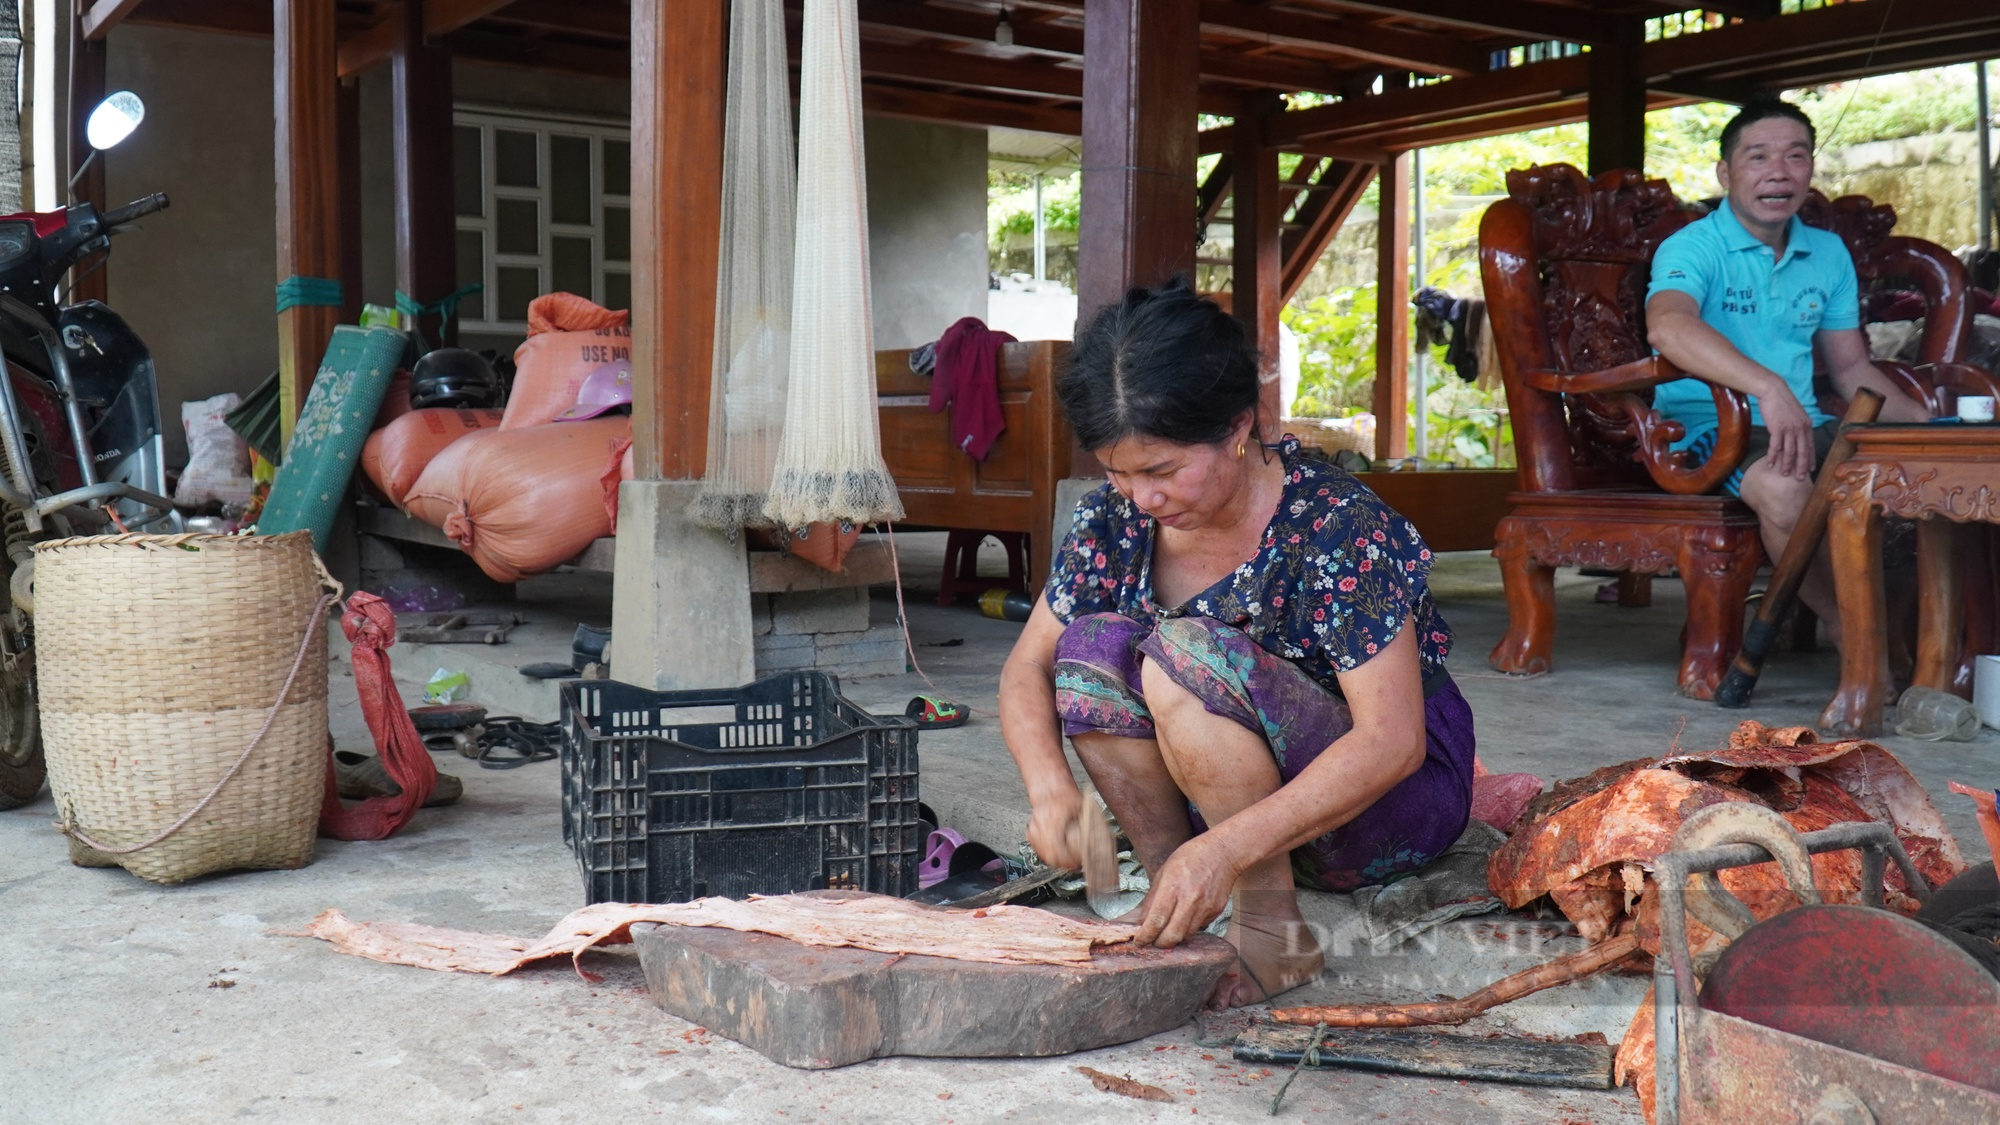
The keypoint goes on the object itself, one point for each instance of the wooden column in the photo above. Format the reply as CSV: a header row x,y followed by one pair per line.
x,y
1392,311
426,252
1258,264
308,187
1139,146
86,89
1618,101
347,127
677,95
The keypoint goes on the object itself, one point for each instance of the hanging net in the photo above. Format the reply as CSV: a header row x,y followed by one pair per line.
x,y
829,464
754,273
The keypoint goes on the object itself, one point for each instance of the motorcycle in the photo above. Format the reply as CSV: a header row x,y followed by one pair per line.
x,y
81,445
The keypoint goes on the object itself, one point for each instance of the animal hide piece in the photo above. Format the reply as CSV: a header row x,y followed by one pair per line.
x,y
1572,841
1589,843
999,934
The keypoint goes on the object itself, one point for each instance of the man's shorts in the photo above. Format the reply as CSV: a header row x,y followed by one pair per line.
x,y
1760,445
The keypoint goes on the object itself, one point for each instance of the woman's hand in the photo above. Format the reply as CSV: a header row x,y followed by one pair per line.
x,y
1189,891
1052,827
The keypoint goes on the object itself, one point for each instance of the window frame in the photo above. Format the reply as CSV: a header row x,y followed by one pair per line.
x,y
544,126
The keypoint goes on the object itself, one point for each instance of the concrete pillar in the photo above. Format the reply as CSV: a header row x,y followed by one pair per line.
x,y
680,594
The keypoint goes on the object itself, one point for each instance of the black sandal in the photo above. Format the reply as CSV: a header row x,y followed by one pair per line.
x,y
510,743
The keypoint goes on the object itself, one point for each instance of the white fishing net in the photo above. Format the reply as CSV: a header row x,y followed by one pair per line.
x,y
829,465
753,284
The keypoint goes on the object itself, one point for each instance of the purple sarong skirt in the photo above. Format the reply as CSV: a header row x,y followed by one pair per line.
x,y
1098,690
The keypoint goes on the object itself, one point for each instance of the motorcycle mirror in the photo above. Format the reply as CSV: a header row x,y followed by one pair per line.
x,y
114,119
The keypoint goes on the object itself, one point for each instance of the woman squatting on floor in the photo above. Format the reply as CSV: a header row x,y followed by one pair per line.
x,y
1239,641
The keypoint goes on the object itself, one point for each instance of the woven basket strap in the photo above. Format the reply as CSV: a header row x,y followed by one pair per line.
x,y
68,828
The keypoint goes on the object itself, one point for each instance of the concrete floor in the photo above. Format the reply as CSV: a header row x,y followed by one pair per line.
x,y
114,1006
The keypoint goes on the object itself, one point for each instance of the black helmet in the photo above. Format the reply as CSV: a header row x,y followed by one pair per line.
x,y
453,377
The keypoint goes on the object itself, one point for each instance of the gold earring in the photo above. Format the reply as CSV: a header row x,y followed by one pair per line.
x,y
1239,451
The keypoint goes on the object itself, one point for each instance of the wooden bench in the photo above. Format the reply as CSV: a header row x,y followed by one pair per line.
x,y
1014,489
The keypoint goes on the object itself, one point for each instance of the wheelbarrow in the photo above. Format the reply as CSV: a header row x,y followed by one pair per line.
x,y
1827,1015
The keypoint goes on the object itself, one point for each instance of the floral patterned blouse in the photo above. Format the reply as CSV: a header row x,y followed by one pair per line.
x,y
1337,574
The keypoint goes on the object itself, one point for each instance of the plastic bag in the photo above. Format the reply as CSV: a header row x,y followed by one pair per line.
x,y
525,501
568,338
397,454
218,469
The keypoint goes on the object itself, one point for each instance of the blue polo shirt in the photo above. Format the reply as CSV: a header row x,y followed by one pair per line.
x,y
1768,309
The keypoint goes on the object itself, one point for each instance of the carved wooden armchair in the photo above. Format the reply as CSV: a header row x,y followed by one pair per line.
x,y
1886,260
1566,261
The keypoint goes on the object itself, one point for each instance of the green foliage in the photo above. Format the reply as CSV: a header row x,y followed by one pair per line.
x,y
1336,352
1010,210
1464,425
1911,104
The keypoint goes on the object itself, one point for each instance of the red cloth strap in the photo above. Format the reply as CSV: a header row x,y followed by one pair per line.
x,y
371,626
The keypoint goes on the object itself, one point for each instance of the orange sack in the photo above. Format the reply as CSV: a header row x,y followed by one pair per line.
x,y
568,338
525,501
397,454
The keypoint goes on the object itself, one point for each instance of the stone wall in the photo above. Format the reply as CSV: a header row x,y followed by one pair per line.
x,y
831,630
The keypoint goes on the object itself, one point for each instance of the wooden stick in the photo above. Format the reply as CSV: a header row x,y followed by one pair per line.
x,y
1800,550
1562,970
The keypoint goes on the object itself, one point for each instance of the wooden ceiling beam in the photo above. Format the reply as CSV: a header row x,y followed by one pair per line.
x,y
968,26
541,54
1735,9
576,17
1495,91
1273,72
1821,31
1524,18
99,18
228,17
955,68
1432,54
441,17
957,109
1411,50
959,25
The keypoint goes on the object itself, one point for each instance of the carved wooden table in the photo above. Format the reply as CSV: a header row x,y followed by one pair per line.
x,y
1944,477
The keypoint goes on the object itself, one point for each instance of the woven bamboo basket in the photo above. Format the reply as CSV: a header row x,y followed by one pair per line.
x,y
162,660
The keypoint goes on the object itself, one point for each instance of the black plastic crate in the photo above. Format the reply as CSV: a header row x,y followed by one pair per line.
x,y
777,786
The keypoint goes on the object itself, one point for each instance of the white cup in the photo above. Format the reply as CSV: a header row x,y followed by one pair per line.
x,y
1986,689
1975,408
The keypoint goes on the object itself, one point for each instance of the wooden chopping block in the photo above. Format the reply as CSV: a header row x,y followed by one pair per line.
x,y
817,1007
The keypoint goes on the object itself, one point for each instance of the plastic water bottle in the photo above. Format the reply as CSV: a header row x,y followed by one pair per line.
x,y
1005,604
1935,716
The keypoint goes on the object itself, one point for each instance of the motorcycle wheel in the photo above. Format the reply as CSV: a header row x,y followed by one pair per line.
x,y
22,767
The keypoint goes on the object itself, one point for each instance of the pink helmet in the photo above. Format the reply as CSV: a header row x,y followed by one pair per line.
x,y
609,385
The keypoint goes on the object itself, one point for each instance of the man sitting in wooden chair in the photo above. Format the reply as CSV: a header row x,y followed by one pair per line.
x,y
1741,298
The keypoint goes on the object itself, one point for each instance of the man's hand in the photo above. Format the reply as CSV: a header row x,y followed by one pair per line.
x,y
1675,327
1189,892
1791,430
1052,827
